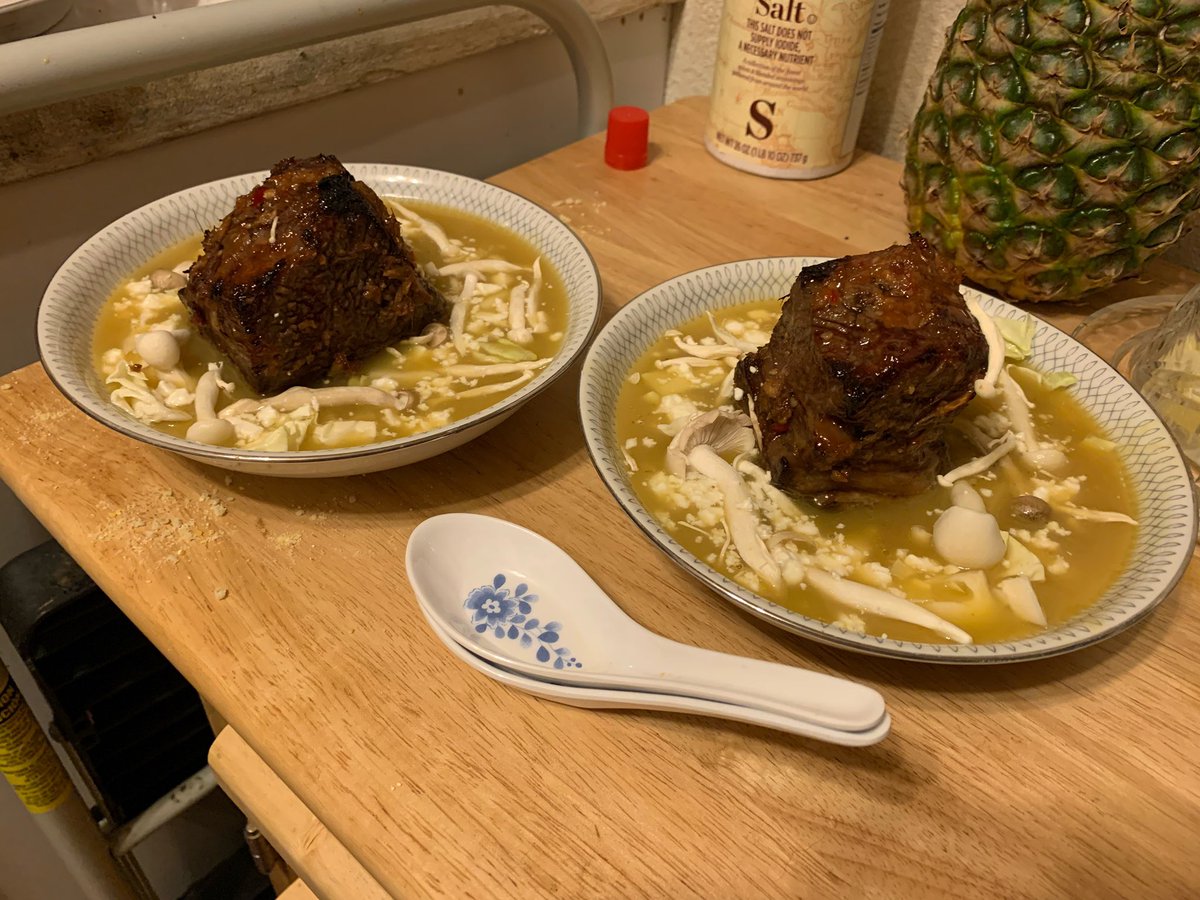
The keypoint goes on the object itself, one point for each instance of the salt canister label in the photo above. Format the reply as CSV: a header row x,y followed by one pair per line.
x,y
791,82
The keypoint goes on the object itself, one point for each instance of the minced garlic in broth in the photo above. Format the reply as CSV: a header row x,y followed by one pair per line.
x,y
443,394
887,545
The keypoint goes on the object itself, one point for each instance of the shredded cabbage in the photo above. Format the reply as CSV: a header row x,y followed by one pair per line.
x,y
1056,380
1018,337
133,395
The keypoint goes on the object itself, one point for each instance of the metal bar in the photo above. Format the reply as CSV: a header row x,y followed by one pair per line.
x,y
181,798
54,67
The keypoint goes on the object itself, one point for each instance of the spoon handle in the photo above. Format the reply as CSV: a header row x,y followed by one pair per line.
x,y
772,687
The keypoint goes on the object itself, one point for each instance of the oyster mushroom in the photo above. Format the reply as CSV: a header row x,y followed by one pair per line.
x,y
722,430
698,445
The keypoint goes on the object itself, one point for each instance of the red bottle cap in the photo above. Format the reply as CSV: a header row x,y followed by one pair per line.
x,y
628,137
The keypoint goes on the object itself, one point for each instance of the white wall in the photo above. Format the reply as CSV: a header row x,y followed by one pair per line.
x,y
476,116
912,41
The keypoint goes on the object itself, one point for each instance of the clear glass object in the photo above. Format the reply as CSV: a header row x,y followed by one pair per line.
x,y
1155,343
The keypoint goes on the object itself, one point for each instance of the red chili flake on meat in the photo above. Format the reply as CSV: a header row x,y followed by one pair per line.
x,y
257,196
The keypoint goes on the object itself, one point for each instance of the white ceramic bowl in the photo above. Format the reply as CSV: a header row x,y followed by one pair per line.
x,y
1166,502
26,18
71,305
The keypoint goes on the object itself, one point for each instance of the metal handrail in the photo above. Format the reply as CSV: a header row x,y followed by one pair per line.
x,y
54,67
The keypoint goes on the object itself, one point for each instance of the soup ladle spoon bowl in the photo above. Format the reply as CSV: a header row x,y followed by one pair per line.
x,y
520,602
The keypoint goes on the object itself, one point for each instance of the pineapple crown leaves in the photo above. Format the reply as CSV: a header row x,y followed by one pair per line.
x,y
1058,143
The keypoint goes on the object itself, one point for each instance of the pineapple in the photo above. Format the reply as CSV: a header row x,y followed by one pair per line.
x,y
1058,145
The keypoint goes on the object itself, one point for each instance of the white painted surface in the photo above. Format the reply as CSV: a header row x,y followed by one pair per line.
x,y
477,116
912,41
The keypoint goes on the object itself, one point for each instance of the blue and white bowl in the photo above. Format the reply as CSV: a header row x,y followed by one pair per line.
x,y
71,305
1159,474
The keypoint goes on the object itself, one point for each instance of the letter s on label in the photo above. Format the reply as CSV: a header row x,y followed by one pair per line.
x,y
761,119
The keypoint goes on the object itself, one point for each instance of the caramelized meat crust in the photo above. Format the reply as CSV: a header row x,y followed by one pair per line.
x,y
308,273
872,356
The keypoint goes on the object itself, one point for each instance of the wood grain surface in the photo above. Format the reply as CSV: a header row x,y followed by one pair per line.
x,y
324,865
1068,777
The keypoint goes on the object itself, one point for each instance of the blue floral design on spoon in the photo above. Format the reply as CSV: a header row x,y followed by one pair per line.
x,y
506,614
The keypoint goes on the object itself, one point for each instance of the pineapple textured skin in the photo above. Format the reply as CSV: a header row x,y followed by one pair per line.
x,y
1057,147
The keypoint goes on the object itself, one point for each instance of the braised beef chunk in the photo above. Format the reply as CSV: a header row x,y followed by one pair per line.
x,y
307,274
871,357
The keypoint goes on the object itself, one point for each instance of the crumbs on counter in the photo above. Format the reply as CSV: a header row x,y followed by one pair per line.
x,y
221,593
162,521
286,541
7,386
215,506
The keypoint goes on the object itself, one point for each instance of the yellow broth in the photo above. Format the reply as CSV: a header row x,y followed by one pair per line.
x,y
409,366
1080,564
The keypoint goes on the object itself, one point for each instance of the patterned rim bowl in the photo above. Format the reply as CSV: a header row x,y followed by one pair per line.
x,y
70,307
1167,504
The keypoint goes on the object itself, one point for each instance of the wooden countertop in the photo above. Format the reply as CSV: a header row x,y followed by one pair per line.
x,y
1073,776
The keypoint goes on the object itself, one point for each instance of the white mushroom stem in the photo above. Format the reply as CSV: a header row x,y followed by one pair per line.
x,y
481,267
518,331
486,389
208,429
691,362
980,464
876,602
986,386
483,371
740,518
296,397
1018,593
158,348
534,298
1016,407
968,538
458,313
722,334
1095,515
707,351
431,229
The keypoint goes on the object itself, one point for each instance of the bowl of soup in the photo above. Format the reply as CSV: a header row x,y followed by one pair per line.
x,y
1097,543
116,299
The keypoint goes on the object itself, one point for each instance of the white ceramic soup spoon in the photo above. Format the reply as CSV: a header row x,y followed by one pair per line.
x,y
609,698
517,600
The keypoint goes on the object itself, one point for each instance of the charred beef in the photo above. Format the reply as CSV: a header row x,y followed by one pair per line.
x,y
307,274
872,355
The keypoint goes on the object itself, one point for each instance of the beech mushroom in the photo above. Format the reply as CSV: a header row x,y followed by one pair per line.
x,y
434,335
208,428
1017,407
986,386
968,538
962,494
158,348
166,280
296,397
1030,510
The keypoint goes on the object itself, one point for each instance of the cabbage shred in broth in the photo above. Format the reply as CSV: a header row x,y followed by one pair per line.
x,y
495,350
1071,559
